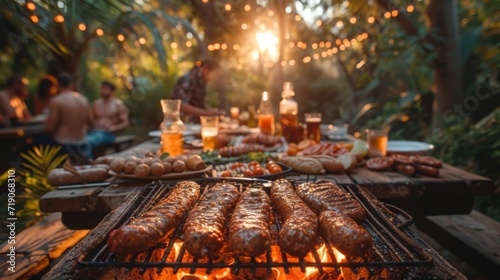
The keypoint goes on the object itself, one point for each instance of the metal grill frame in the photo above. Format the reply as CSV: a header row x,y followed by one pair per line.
x,y
382,222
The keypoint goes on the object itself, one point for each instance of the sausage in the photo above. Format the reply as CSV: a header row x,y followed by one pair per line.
x,y
327,196
59,176
152,226
299,231
427,170
344,233
249,233
426,160
407,169
400,159
206,223
380,163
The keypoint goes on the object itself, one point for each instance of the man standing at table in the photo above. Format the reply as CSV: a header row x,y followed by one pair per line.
x,y
13,110
191,89
68,119
110,117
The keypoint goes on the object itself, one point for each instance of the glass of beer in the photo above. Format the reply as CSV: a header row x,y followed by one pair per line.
x,y
209,131
235,112
313,121
377,142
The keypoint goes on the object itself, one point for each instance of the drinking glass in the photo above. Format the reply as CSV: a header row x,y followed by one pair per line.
x,y
235,112
313,121
209,131
377,142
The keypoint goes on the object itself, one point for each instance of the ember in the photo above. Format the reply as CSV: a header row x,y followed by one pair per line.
x,y
393,253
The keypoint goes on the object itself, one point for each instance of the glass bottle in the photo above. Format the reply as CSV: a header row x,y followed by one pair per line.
x,y
171,128
252,116
266,115
289,110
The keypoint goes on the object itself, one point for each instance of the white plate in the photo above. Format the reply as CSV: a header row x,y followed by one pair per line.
x,y
408,147
157,133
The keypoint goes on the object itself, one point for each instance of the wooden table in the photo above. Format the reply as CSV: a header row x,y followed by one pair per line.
x,y
452,193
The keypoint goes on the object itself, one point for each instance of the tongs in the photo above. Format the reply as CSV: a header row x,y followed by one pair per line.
x,y
71,169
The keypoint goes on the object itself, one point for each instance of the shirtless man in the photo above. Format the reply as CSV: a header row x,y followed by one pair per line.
x,y
110,117
68,118
12,107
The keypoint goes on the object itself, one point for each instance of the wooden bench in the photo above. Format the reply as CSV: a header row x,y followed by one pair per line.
x,y
121,143
475,238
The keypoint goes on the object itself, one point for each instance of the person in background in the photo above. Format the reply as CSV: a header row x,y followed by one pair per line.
x,y
47,88
110,117
12,106
69,117
191,89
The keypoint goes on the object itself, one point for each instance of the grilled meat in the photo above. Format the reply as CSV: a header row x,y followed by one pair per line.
x,y
152,226
249,226
299,231
327,196
205,225
344,233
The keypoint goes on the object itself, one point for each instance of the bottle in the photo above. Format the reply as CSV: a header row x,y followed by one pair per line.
x,y
289,110
172,128
266,115
252,117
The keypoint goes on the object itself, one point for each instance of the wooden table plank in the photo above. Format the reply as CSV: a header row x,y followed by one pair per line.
x,y
70,200
386,184
37,246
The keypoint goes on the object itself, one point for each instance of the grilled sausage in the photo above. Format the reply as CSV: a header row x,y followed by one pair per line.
x,y
249,226
427,170
407,169
344,233
327,196
153,225
299,231
205,225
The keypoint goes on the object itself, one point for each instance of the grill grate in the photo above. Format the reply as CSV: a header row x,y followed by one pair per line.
x,y
392,247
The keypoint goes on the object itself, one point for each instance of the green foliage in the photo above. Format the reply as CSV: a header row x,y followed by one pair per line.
x,y
31,182
476,148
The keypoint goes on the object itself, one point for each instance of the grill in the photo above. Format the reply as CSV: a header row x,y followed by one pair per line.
x,y
396,250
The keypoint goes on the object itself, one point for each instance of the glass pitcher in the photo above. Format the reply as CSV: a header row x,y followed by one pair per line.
x,y
171,128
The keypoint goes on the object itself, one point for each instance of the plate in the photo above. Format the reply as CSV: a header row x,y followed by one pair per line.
x,y
186,174
408,147
286,169
157,133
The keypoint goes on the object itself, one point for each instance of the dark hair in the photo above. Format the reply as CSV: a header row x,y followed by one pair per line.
x,y
109,84
45,83
14,80
65,79
210,64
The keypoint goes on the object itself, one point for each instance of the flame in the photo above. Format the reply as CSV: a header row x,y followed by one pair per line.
x,y
338,255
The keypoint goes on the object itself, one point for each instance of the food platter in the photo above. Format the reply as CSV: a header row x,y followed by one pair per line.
x,y
285,170
408,147
173,175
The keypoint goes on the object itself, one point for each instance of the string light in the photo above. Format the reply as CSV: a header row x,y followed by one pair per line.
x,y
292,62
387,14
31,6
189,44
34,18
297,17
394,13
319,23
59,18
352,20
142,41
82,27
120,37
173,45
410,8
227,7
371,20
204,1
99,32
248,8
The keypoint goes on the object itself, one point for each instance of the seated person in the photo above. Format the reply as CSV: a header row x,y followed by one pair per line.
x,y
68,119
191,89
110,117
12,106
47,88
